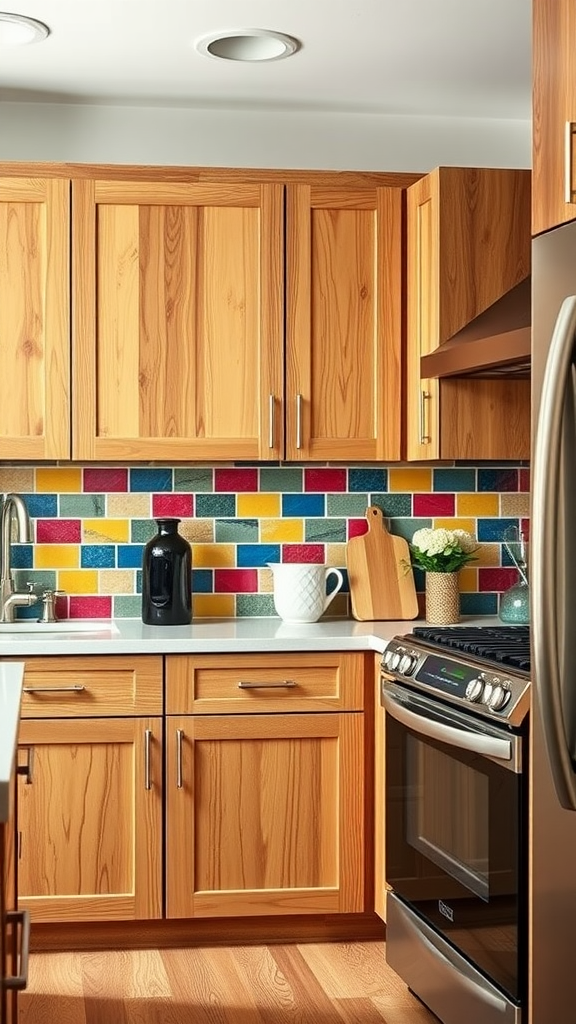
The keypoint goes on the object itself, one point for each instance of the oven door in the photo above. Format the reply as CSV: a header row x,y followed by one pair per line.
x,y
454,821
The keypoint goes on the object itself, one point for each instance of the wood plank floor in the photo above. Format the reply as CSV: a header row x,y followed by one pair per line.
x,y
315,983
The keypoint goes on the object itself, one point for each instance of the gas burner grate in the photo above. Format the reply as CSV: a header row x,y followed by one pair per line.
x,y
500,645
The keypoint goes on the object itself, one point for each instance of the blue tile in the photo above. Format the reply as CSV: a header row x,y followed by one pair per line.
x,y
22,556
42,506
97,556
493,529
209,506
248,555
502,479
150,480
454,480
202,581
130,556
479,604
294,505
367,479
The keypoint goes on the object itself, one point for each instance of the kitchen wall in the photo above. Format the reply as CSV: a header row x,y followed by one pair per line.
x,y
91,523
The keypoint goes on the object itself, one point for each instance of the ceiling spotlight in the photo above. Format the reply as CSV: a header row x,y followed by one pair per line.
x,y
247,44
16,30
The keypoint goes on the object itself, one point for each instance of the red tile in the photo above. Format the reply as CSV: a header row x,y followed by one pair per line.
x,y
525,529
236,581
236,480
434,505
90,607
173,505
303,553
497,579
357,527
105,480
524,482
61,606
58,531
324,480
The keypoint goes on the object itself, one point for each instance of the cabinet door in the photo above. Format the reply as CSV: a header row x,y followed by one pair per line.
x,y
343,323
554,113
178,321
265,814
90,818
34,318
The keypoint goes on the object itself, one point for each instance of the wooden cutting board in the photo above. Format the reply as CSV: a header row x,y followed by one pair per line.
x,y
380,574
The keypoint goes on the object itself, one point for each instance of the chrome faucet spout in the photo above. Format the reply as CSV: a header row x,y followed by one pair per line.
x,y
13,507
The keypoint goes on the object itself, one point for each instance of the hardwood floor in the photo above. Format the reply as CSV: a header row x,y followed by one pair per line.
x,y
315,983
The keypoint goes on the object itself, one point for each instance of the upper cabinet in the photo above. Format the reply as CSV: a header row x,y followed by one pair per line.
x,y
468,244
553,113
34,318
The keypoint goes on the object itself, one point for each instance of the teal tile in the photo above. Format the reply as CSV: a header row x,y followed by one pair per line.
x,y
43,579
82,506
349,505
393,504
208,506
332,531
280,479
407,527
142,530
236,531
201,479
248,605
454,479
127,606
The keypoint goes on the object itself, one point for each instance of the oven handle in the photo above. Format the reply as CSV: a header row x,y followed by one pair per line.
x,y
479,743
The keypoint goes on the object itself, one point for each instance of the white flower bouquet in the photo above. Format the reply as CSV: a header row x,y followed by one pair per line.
x,y
442,550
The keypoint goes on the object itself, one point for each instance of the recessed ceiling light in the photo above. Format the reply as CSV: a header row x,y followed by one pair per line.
x,y
17,30
247,44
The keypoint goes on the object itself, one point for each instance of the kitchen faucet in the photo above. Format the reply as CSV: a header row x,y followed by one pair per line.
x,y
13,507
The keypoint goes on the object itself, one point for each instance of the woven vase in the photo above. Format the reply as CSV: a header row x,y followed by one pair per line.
x,y
442,598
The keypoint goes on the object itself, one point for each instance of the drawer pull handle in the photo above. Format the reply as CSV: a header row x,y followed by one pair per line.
x,y
425,437
271,415
78,688
298,421
147,741
179,739
21,918
569,134
27,769
284,684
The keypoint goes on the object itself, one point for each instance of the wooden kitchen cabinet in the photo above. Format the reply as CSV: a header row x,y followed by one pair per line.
x,y
553,113
468,243
90,809
34,317
265,785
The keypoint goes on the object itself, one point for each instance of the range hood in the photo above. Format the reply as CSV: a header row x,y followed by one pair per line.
x,y
496,343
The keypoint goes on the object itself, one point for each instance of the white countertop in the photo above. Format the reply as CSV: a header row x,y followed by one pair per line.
x,y
131,636
11,676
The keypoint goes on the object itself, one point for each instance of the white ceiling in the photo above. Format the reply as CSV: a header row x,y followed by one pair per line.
x,y
452,58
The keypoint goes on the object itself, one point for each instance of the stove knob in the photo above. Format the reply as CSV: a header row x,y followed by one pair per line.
x,y
395,658
386,659
499,697
407,664
475,689
487,691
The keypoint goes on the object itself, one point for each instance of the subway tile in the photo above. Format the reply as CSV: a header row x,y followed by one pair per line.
x,y
346,504
78,581
150,480
324,479
257,605
16,479
515,504
42,506
283,479
477,504
127,606
235,531
496,579
456,523
367,480
82,506
128,506
22,556
303,505
258,506
493,529
216,505
202,581
130,556
524,479
236,480
504,479
142,530
335,554
453,479
324,530
413,479
61,479
198,531
265,581
90,607
105,480
213,606
211,556
434,504
468,579
257,554
193,480
101,531
42,580
393,504
478,604
281,530
98,556
357,527
407,527
173,506
116,581
235,581
303,553
58,531
56,556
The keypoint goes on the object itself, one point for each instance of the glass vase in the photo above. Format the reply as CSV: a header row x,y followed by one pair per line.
x,y
442,598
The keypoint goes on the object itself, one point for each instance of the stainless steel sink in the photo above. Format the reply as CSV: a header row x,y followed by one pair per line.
x,y
31,628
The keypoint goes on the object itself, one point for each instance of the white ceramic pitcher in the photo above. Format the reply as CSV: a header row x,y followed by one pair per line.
x,y
300,590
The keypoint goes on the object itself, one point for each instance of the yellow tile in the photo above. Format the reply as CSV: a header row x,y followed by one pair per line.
x,y
116,581
455,524
214,556
477,504
515,504
105,531
213,606
488,554
135,506
412,479
468,579
336,555
256,506
198,531
287,530
56,556
16,478
59,479
80,581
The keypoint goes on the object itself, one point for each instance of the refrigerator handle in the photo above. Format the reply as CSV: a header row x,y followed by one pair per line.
x,y
545,600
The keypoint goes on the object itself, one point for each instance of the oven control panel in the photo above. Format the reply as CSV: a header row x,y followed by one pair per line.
x,y
488,691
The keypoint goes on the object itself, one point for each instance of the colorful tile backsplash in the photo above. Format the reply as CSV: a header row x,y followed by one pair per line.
x,y
91,524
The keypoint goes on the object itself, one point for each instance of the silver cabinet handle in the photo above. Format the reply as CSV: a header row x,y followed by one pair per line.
x,y
425,397
271,411
78,688
179,741
147,742
20,918
299,421
283,684
569,133
27,769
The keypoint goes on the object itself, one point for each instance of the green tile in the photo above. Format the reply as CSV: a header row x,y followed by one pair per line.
x,y
127,606
82,506
248,605
322,530
280,479
393,504
193,479
407,527
43,579
236,531
142,530
348,505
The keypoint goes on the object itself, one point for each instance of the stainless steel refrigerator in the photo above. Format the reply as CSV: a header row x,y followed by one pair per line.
x,y
552,990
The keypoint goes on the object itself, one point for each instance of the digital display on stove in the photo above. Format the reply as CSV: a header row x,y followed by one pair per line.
x,y
448,676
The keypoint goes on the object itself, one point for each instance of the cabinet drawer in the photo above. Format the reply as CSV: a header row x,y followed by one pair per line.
x,y
249,683
92,686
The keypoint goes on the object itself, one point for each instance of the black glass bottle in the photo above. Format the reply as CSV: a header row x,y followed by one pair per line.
x,y
166,577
